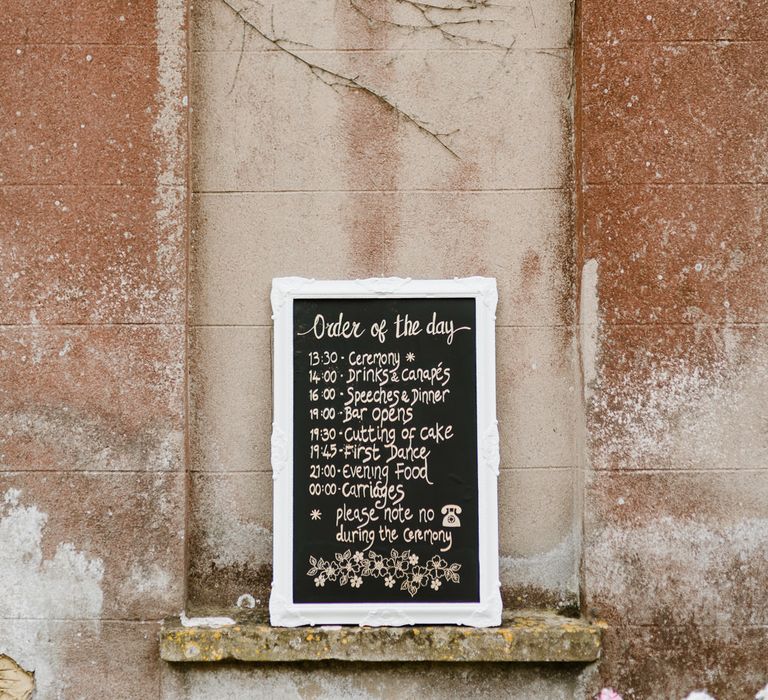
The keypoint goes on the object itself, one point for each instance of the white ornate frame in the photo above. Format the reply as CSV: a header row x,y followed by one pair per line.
x,y
283,611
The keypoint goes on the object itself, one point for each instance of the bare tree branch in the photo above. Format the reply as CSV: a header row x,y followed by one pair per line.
x,y
468,6
336,79
239,61
443,27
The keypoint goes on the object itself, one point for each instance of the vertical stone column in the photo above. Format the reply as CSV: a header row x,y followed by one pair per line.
x,y
361,139
673,112
92,341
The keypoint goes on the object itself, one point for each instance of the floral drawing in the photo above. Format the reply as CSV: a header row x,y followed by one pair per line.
x,y
399,567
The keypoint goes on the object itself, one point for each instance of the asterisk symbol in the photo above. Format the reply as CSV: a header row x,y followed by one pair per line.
x,y
410,357
315,514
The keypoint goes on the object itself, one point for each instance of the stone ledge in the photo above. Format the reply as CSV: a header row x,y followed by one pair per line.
x,y
524,637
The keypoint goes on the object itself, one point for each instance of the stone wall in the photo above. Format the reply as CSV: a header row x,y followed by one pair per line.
x,y
409,141
354,139
672,135
92,342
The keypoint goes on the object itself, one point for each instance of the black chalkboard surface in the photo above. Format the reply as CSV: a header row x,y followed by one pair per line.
x,y
385,451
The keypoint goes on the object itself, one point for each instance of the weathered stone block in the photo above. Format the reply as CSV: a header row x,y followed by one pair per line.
x,y
672,660
86,658
230,548
97,398
78,22
538,551
76,254
102,133
503,114
680,397
536,395
432,681
367,25
230,398
91,546
675,113
670,20
241,241
678,254
677,548
529,638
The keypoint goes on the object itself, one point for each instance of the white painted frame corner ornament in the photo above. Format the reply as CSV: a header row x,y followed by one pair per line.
x,y
283,611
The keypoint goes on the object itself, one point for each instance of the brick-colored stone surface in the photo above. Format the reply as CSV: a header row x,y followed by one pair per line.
x,y
106,397
87,658
96,545
92,339
84,113
680,397
80,22
76,254
670,106
669,660
671,20
675,113
678,547
679,254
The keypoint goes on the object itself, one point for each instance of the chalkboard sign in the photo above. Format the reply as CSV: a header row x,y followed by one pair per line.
x,y
385,452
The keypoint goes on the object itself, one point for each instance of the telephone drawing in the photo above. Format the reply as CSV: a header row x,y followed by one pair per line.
x,y
451,513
